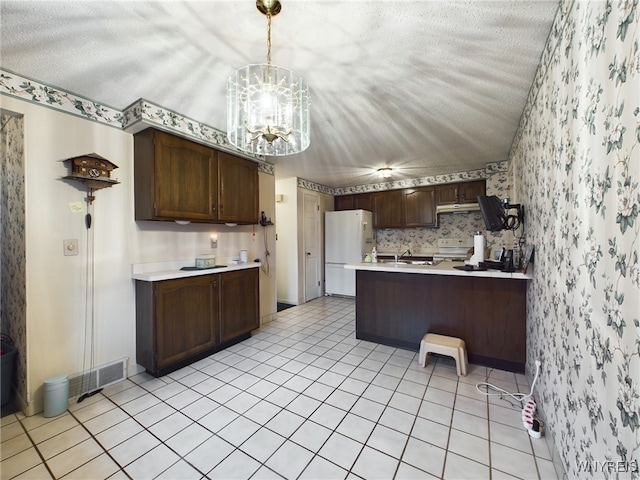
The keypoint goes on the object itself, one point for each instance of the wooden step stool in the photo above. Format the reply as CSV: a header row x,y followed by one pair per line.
x,y
449,346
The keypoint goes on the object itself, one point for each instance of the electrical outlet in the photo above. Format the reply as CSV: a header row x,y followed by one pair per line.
x,y
70,247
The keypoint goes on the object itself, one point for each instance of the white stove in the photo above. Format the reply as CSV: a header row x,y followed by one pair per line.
x,y
450,248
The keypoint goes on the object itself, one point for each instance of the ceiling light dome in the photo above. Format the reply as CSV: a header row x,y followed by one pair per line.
x,y
268,107
385,172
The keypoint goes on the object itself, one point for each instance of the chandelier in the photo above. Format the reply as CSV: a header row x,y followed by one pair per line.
x,y
268,106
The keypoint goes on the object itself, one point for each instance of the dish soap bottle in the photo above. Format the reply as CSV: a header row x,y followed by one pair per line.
x,y
374,255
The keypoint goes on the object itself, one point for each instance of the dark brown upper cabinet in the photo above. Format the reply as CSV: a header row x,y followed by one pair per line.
x,y
363,201
238,189
354,201
177,179
462,192
343,202
387,206
419,206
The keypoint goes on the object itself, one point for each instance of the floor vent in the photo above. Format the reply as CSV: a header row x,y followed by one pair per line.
x,y
99,377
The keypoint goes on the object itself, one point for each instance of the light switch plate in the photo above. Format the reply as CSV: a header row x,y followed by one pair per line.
x,y
70,247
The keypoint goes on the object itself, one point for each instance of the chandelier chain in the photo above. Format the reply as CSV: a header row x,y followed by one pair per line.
x,y
269,38
268,106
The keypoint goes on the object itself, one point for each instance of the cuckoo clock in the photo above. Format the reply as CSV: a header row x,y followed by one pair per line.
x,y
92,170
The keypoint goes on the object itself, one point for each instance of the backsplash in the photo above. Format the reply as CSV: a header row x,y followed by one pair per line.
x,y
422,239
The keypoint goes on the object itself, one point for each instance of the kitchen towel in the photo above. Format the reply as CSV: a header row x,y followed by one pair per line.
x,y
478,249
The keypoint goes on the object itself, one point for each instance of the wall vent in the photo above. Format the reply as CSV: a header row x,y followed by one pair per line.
x,y
98,377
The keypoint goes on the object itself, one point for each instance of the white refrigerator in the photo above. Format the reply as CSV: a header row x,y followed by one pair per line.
x,y
348,237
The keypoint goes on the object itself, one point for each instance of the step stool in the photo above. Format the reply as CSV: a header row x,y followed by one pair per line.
x,y
449,346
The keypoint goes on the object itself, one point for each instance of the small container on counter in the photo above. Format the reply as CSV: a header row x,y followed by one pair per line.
x,y
205,261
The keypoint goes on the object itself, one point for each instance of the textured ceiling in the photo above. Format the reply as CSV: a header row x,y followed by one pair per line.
x,y
424,87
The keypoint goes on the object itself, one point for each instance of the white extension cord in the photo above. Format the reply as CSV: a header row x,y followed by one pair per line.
x,y
529,420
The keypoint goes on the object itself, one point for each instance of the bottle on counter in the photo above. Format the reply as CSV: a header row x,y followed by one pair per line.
x,y
374,255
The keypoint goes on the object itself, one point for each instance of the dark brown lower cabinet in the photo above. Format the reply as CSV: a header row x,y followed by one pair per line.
x,y
182,320
238,304
489,314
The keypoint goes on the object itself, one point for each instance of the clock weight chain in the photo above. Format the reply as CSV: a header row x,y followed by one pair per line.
x,y
90,298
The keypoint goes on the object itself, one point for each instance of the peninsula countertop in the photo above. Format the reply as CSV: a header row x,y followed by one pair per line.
x,y
446,267
155,272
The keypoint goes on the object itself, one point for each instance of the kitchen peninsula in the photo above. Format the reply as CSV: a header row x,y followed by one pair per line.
x,y
397,304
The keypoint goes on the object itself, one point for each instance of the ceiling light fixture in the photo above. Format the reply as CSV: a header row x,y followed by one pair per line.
x,y
385,172
268,107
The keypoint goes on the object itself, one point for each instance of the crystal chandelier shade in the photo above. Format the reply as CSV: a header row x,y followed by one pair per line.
x,y
268,107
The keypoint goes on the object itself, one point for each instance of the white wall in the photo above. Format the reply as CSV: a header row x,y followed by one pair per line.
x,y
56,293
290,244
288,287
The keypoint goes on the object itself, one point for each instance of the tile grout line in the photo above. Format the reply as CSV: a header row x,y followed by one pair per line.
x,y
97,441
321,338
35,447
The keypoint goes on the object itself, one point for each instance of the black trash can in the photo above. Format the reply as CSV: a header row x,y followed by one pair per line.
x,y
7,363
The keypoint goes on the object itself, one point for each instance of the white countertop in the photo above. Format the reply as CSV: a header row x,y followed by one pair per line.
x,y
154,272
443,268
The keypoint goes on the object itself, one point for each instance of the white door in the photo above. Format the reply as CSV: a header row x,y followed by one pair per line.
x,y
311,243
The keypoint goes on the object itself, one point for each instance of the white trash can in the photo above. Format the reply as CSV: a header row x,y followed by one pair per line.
x,y
56,395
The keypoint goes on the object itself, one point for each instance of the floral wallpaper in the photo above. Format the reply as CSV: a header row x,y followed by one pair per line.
x,y
12,243
576,161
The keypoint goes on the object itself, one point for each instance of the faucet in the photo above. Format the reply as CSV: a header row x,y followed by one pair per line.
x,y
407,252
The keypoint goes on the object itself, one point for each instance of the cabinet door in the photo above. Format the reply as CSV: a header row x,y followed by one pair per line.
x,y
239,311
469,191
363,201
447,194
186,318
238,191
387,207
343,202
419,207
185,179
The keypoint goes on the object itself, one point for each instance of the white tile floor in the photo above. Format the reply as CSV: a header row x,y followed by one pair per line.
x,y
302,398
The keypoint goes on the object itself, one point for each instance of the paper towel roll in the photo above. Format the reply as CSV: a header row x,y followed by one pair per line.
x,y
478,250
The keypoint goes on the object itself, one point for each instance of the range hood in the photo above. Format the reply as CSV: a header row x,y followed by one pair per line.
x,y
458,208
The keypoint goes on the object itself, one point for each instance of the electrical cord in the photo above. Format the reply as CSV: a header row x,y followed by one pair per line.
x,y
265,266
518,397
